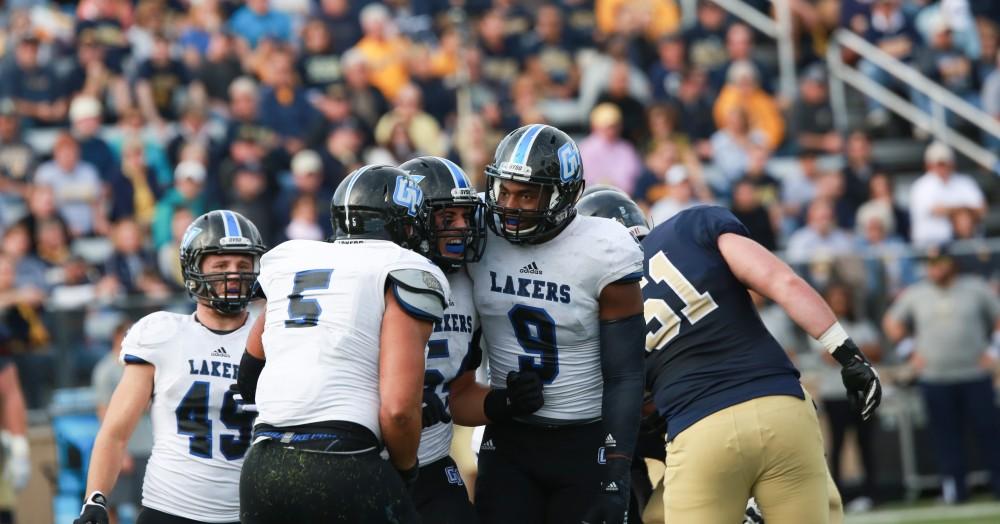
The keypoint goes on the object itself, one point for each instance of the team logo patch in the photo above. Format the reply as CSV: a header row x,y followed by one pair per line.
x,y
453,477
408,194
569,162
431,282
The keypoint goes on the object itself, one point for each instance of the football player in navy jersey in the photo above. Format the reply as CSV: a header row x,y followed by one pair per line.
x,y
739,423
559,300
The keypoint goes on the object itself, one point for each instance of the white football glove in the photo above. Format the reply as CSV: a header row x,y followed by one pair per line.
x,y
17,466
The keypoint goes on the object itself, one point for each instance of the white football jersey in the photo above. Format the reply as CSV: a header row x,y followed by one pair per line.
x,y
538,305
199,438
325,303
450,353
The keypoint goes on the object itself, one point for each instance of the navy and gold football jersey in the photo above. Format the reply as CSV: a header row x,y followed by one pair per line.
x,y
707,348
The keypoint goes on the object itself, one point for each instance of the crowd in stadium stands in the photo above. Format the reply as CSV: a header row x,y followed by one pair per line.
x,y
125,120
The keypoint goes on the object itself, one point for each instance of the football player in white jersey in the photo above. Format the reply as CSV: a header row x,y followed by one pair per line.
x,y
336,363
558,297
452,216
186,364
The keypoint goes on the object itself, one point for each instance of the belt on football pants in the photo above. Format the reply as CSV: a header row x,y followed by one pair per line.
x,y
337,437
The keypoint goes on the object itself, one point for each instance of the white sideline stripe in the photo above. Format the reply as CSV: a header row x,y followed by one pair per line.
x,y
926,514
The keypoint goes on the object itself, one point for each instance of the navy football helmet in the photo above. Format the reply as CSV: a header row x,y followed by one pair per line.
x,y
545,157
378,202
220,232
615,204
446,186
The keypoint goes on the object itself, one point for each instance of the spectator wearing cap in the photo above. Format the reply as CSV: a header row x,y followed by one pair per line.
x,y
632,110
77,186
17,157
893,32
936,194
607,158
812,116
187,192
820,239
952,317
33,86
551,54
256,21
420,129
682,193
667,72
160,80
383,52
307,183
946,64
743,90
85,118
707,37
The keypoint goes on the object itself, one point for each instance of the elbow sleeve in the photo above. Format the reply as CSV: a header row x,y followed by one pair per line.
x,y
622,358
250,368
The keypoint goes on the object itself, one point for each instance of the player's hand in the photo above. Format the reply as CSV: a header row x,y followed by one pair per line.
x,y
95,510
610,507
241,406
434,410
524,392
864,389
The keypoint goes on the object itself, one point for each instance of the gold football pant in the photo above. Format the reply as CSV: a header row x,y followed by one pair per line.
x,y
770,448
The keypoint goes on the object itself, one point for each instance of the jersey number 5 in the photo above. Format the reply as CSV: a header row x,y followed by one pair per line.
x,y
696,305
304,312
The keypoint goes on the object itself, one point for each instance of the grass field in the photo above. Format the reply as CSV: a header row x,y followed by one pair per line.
x,y
929,513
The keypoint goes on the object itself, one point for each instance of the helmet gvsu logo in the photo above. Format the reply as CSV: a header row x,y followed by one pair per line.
x,y
569,162
408,194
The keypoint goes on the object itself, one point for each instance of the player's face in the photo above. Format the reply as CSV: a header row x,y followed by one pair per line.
x,y
454,222
229,267
522,196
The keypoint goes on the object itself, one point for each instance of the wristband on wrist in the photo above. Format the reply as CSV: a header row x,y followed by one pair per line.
x,y
833,337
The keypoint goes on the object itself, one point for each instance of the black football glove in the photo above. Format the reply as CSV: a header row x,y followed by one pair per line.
x,y
241,405
409,476
434,410
864,390
611,506
95,510
523,396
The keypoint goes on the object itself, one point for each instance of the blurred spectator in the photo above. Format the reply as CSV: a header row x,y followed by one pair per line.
x,y
77,187
651,185
342,21
652,19
318,64
951,317
33,86
973,255
52,243
363,99
134,190
502,55
17,158
22,333
217,71
383,52
798,188
888,263
307,181
860,167
778,324
684,191
105,21
85,118
248,196
820,238
694,106
830,187
131,266
633,111
767,187
551,54
160,82
607,158
304,223
748,209
662,126
105,377
739,48
706,39
189,180
131,126
168,255
946,64
667,72
839,411
89,75
283,105
193,127
732,143
41,208
29,271
438,99
408,121
812,116
939,192
742,90
473,147
149,20
256,21
244,121
883,200
13,436
991,100
892,31
341,153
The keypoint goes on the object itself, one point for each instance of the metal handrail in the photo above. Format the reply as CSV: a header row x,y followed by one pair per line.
x,y
940,97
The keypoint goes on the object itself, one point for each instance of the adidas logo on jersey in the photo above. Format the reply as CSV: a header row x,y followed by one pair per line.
x,y
221,352
610,441
487,446
531,268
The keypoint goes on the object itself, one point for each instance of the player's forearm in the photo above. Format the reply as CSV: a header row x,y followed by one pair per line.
x,y
106,461
622,359
804,305
15,412
466,406
401,432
